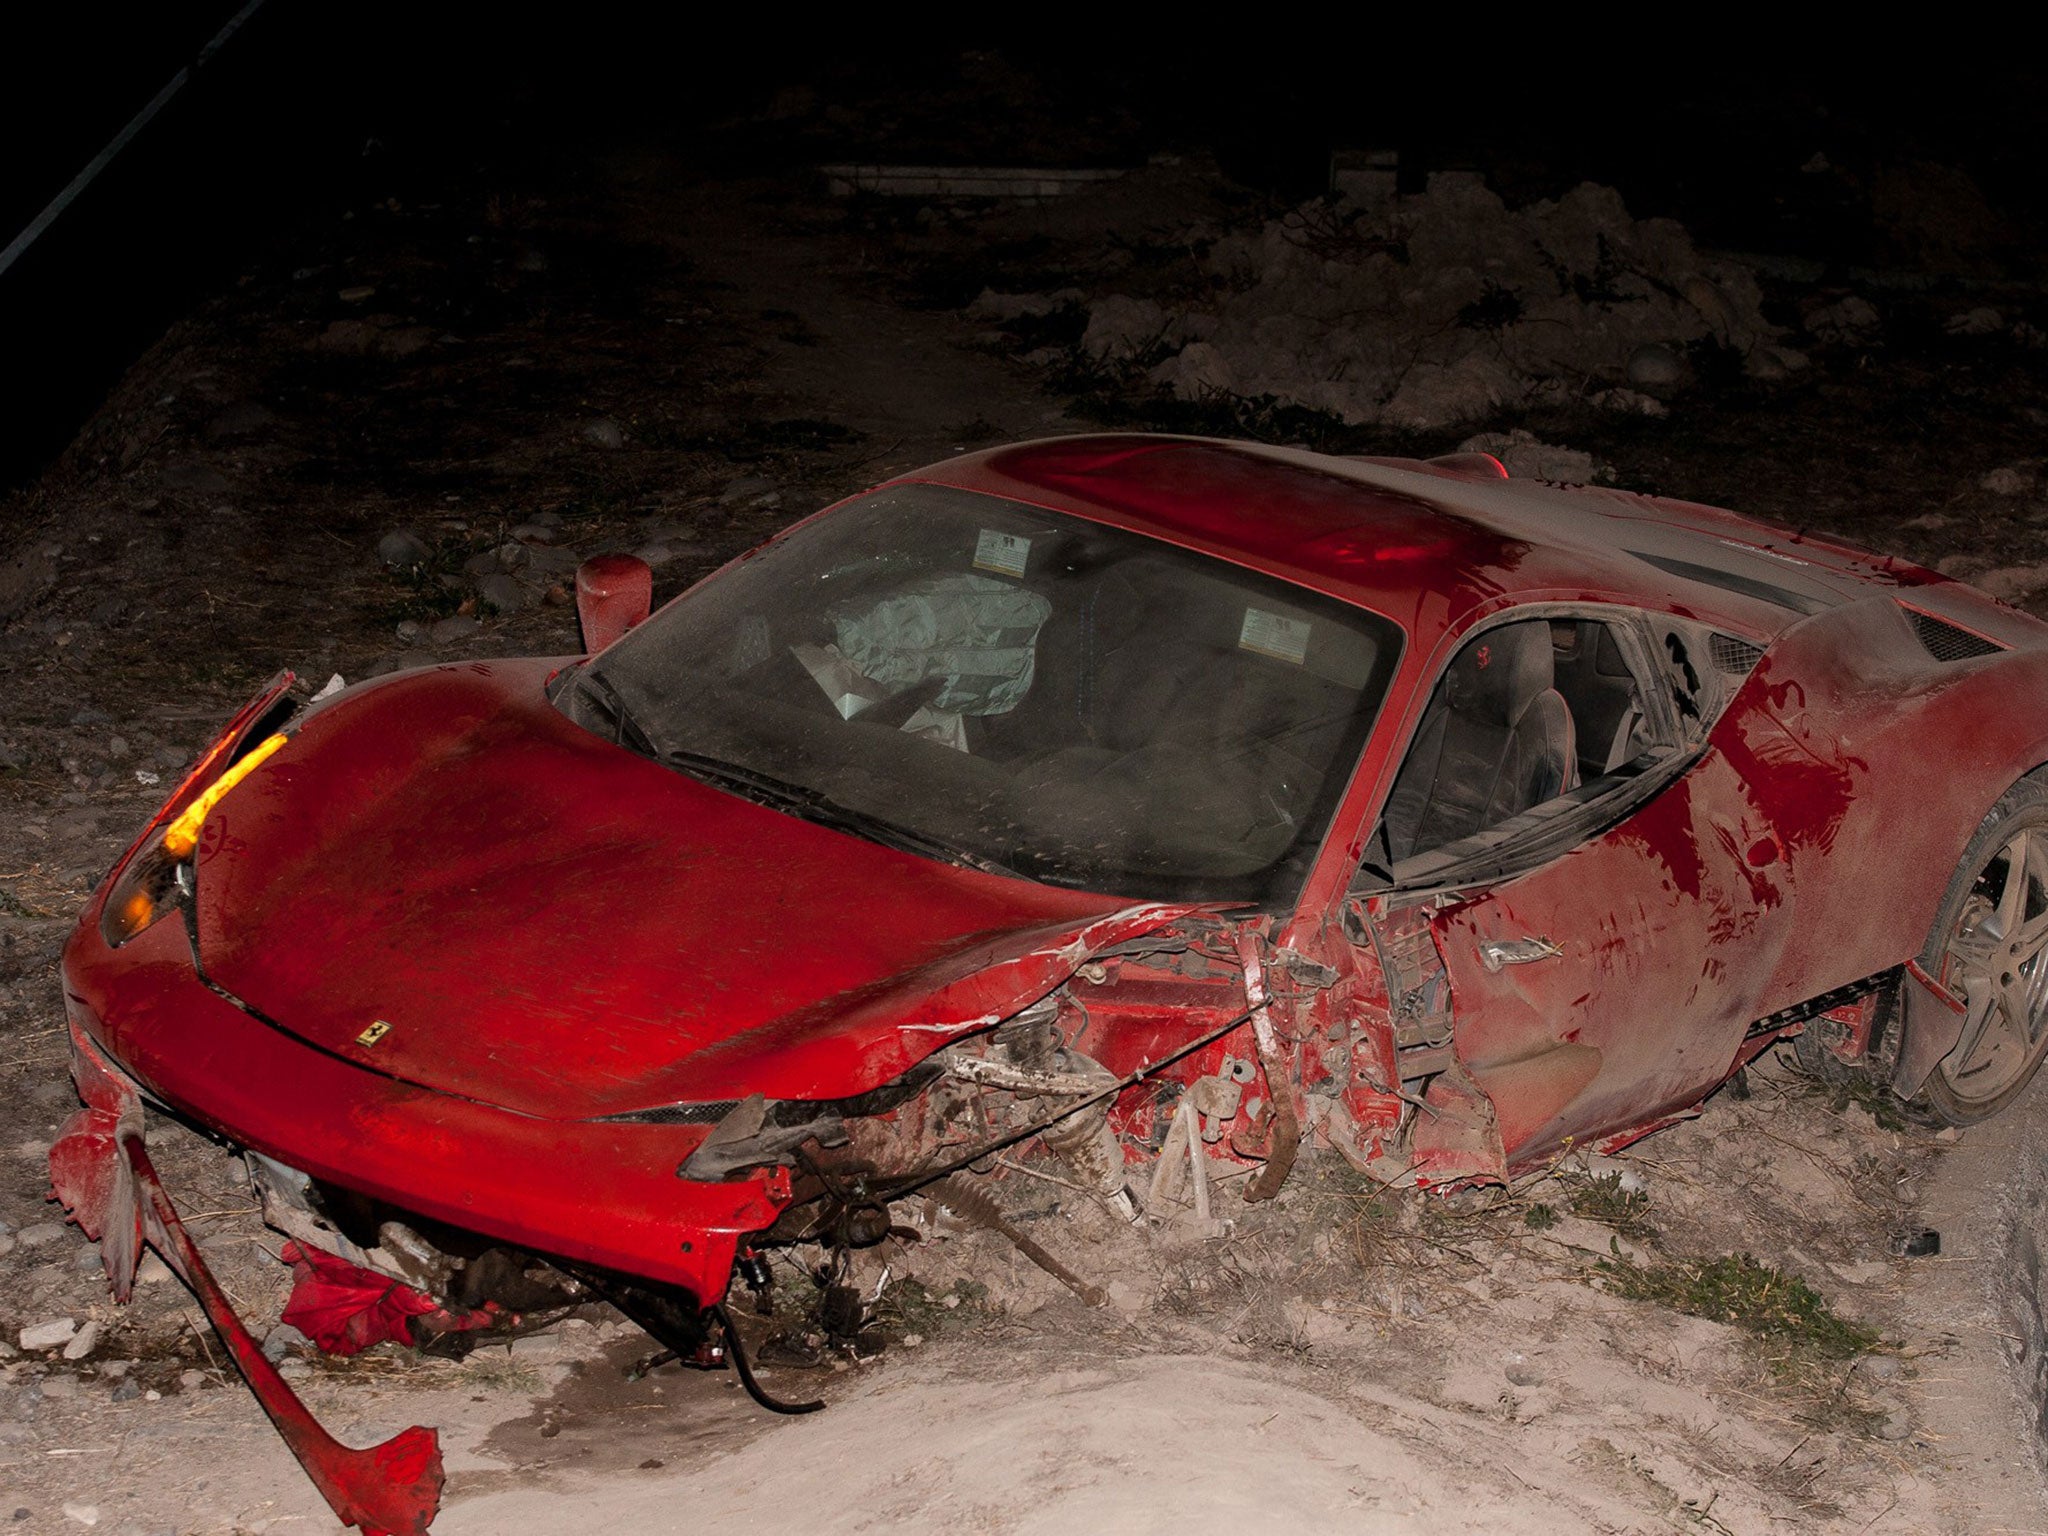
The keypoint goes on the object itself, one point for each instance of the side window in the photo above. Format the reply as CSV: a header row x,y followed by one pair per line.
x,y
1527,712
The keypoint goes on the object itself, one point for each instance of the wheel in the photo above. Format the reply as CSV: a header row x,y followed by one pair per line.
x,y
1989,947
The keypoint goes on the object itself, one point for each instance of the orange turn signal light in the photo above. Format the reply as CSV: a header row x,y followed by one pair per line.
x,y
182,835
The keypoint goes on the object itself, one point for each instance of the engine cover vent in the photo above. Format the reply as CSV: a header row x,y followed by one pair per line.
x,y
1732,656
1949,642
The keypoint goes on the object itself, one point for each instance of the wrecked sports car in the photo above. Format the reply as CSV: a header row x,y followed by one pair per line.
x,y
1121,805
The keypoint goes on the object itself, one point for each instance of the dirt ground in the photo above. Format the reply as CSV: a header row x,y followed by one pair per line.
x,y
623,354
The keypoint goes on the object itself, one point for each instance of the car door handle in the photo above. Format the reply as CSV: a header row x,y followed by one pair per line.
x,y
1495,953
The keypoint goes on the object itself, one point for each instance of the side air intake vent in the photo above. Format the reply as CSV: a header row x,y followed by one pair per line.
x,y
1732,656
1947,642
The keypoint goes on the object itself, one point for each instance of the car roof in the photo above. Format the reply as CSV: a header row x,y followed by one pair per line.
x,y
1427,544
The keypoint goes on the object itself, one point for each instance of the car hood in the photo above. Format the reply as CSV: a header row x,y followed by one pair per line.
x,y
548,923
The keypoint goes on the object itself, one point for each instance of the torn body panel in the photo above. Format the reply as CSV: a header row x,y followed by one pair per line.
x,y
103,1176
1826,732
1655,953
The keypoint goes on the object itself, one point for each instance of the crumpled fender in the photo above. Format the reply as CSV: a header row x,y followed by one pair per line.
x,y
854,1042
101,1171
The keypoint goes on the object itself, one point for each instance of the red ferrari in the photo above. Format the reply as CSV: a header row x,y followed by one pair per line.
x,y
1120,801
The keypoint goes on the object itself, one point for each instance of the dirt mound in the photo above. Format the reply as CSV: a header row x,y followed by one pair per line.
x,y
1422,312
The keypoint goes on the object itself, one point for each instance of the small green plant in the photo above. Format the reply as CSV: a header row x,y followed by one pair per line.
x,y
1738,1290
1540,1217
1602,1198
1876,1097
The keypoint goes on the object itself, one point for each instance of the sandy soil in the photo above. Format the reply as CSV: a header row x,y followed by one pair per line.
x,y
1345,1360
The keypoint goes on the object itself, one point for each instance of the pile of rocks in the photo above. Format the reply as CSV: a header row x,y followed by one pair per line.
x,y
527,567
1425,311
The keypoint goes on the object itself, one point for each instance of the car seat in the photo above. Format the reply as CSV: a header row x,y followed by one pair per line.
x,y
1496,739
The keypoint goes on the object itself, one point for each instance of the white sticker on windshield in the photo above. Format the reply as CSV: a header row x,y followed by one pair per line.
x,y
1003,553
1274,635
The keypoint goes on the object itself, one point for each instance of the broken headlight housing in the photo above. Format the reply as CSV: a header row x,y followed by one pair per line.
x,y
159,873
150,886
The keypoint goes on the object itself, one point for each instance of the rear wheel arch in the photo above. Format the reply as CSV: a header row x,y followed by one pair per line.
x,y
1993,909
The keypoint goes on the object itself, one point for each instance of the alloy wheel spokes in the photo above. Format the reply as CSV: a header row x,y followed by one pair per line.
x,y
2000,961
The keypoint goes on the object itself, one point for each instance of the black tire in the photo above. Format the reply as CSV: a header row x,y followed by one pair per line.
x,y
2001,882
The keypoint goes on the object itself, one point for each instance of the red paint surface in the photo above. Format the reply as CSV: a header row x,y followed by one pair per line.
x,y
559,929
103,1175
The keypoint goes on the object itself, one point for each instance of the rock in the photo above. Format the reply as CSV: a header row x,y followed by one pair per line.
x,y
354,338
1121,328
357,294
1896,1426
507,594
7,1241
281,1341
152,1270
656,555
547,519
292,1368
1882,1367
536,533
41,1234
1655,366
191,1381
2007,583
1774,362
1521,1370
549,560
126,1390
82,1342
408,632
58,1330
402,548
540,1349
1001,308
1849,321
2009,480
1198,371
481,564
1627,402
1431,396
1982,321
603,433
84,1514
453,628
1126,1298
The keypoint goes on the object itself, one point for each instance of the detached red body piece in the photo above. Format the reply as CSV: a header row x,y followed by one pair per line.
x,y
1090,800
345,1308
103,1174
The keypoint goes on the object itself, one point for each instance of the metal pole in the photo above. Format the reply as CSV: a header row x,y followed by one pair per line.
x,y
136,124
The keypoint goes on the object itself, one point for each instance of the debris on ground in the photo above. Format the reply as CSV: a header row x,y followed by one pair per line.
x,y
1417,313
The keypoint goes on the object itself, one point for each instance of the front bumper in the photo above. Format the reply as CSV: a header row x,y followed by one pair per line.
x,y
599,1193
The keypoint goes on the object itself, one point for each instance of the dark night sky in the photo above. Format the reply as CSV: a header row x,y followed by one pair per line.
x,y
317,102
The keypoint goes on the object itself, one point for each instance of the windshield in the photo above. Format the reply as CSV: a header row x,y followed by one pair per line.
x,y
989,682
